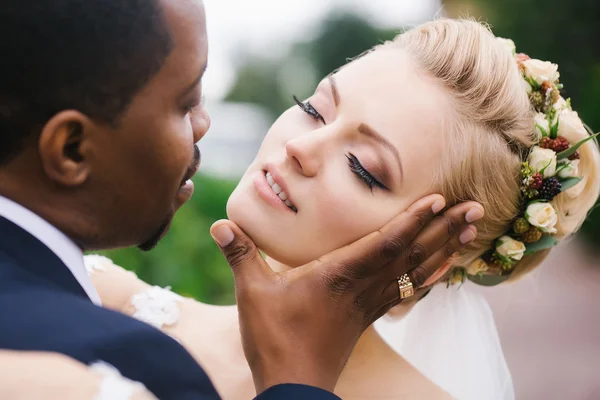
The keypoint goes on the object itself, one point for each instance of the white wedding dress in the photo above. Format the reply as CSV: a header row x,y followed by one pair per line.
x,y
451,338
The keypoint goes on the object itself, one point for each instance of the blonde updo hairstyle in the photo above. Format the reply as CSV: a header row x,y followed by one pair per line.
x,y
489,130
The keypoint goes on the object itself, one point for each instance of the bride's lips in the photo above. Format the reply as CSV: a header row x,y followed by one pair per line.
x,y
266,193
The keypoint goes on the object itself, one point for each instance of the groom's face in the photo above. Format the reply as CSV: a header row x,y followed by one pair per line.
x,y
141,169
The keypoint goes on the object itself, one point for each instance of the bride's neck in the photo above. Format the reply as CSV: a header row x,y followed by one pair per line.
x,y
276,265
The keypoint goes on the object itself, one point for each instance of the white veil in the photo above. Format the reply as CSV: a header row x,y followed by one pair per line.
x,y
451,338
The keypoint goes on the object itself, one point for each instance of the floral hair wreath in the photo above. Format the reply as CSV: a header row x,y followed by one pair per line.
x,y
552,167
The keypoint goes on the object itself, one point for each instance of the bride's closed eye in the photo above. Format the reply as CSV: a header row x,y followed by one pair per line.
x,y
361,172
309,109
353,162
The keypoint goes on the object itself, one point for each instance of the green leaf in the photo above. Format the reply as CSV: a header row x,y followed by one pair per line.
x,y
488,280
568,183
541,128
544,243
560,167
544,169
571,150
533,83
554,129
504,259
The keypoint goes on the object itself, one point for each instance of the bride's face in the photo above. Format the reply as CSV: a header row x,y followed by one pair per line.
x,y
362,149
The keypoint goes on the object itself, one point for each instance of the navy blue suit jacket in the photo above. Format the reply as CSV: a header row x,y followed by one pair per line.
x,y
43,307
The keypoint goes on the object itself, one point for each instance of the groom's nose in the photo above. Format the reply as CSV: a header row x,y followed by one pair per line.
x,y
200,123
305,153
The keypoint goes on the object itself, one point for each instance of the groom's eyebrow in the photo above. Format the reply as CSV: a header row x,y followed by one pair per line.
x,y
366,129
196,81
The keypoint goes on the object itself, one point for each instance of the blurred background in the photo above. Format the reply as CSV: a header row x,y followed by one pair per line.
x,y
263,51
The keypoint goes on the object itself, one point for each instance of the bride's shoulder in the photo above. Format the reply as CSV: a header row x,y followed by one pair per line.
x,y
121,290
376,371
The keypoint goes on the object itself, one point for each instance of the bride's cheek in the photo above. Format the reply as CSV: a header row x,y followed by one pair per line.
x,y
345,219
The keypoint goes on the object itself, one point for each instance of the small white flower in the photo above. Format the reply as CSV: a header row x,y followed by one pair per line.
x,y
509,44
571,127
477,266
541,71
560,104
571,170
115,386
96,262
543,216
541,122
157,306
510,248
543,160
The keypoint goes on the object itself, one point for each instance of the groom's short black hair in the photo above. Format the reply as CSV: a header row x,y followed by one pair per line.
x,y
89,55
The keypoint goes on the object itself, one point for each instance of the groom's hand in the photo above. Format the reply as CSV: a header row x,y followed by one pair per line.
x,y
300,326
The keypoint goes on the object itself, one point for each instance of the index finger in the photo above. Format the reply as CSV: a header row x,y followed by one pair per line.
x,y
364,256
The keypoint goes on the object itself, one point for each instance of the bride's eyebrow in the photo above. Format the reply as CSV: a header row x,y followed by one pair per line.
x,y
334,89
366,129
379,138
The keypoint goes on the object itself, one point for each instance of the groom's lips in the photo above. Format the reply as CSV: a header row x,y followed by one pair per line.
x,y
193,168
186,190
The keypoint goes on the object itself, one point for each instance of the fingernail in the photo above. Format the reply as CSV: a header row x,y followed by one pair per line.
x,y
467,236
438,206
223,235
474,214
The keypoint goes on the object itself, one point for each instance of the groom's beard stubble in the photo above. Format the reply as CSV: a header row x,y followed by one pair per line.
x,y
150,243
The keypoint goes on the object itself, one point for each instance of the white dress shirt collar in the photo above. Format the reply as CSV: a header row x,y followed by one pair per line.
x,y
64,248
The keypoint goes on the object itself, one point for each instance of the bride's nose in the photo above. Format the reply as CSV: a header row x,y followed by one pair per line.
x,y
306,153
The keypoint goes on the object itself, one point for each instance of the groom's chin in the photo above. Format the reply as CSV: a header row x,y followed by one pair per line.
x,y
158,235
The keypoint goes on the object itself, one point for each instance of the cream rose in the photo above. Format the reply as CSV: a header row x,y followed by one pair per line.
x,y
541,71
477,266
571,127
541,122
543,159
509,44
560,104
571,170
543,216
510,248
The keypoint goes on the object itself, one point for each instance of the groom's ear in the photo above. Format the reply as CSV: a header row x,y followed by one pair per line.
x,y
64,146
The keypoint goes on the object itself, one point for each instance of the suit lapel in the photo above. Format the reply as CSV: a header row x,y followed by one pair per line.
x,y
33,256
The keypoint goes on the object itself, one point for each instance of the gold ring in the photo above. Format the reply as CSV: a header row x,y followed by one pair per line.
x,y
406,287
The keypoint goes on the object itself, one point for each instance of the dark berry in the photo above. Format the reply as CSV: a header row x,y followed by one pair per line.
x,y
546,143
537,180
560,144
550,189
532,235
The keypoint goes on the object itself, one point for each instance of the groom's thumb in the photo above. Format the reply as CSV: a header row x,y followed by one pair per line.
x,y
240,251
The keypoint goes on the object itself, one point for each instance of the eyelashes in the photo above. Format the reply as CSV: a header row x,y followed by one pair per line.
x,y
361,172
353,162
309,109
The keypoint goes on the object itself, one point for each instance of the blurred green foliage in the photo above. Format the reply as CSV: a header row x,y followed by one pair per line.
x,y
187,259
564,32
